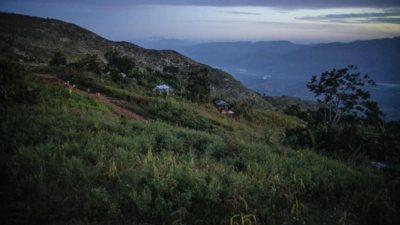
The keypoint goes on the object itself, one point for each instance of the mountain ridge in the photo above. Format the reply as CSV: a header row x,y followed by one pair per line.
x,y
33,40
377,57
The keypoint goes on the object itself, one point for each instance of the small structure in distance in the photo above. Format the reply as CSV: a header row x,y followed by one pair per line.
x,y
224,108
164,87
108,74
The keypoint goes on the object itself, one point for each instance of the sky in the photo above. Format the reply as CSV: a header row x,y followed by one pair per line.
x,y
299,21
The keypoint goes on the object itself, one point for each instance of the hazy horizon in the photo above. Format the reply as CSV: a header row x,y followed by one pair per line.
x,y
294,41
220,21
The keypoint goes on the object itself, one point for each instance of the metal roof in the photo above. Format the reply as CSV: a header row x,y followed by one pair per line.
x,y
163,86
220,102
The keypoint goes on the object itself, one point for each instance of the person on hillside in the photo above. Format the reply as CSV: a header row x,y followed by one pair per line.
x,y
65,84
88,90
73,86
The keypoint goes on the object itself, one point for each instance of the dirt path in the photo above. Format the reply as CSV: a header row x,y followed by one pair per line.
x,y
116,104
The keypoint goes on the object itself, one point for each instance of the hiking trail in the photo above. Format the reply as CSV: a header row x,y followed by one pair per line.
x,y
115,103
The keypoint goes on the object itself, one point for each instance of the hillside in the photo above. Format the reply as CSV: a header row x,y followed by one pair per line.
x,y
133,155
34,40
69,157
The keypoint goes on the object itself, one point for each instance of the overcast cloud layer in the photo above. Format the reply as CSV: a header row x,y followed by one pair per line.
x,y
267,3
384,17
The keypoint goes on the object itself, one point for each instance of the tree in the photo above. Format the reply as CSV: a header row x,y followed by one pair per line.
x,y
93,63
58,60
116,75
111,56
373,113
125,64
341,93
199,85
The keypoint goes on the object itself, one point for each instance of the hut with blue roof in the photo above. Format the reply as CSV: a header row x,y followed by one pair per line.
x,y
163,87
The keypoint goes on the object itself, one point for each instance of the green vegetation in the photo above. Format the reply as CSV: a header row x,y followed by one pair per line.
x,y
66,157
34,41
199,85
124,64
341,92
336,129
58,60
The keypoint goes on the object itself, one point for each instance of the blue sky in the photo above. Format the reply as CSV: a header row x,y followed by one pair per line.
x,y
305,21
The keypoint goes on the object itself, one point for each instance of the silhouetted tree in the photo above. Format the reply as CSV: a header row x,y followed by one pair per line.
x,y
124,63
58,60
92,63
199,85
341,93
373,113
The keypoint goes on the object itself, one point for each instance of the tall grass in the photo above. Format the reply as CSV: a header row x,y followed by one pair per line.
x,y
69,158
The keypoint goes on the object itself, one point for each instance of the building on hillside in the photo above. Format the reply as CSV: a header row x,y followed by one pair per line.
x,y
225,108
164,87
221,105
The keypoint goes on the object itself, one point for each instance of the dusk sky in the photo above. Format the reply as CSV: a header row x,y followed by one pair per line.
x,y
305,21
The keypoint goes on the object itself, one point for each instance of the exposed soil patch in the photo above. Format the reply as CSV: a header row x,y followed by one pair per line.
x,y
115,103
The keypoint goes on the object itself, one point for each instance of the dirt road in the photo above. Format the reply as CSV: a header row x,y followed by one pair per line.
x,y
115,103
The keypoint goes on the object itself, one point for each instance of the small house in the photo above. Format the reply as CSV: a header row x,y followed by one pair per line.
x,y
225,108
221,105
163,87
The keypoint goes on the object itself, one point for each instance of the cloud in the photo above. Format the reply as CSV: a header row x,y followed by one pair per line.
x,y
349,16
347,29
242,13
389,16
277,24
267,3
383,20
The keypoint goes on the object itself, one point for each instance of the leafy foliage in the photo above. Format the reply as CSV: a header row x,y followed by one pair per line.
x,y
170,69
199,85
58,60
124,64
91,63
15,82
340,91
69,156
352,136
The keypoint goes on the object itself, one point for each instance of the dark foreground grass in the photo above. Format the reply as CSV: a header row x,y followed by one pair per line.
x,y
68,158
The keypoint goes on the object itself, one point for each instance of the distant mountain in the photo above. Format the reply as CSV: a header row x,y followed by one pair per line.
x,y
246,47
379,58
34,40
162,44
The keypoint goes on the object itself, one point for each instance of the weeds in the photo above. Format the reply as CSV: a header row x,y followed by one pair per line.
x,y
68,156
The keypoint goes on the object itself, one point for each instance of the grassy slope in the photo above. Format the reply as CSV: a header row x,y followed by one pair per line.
x,y
34,40
66,157
281,103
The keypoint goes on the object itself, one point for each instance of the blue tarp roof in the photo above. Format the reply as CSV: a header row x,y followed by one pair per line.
x,y
220,102
163,86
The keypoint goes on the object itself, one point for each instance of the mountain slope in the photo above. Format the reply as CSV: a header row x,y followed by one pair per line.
x,y
379,58
246,47
34,40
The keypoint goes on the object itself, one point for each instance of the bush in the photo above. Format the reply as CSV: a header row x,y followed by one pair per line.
x,y
16,82
58,60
